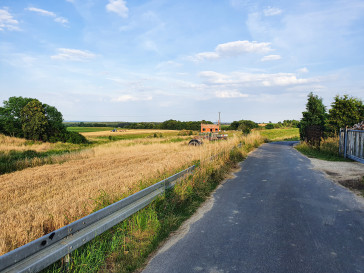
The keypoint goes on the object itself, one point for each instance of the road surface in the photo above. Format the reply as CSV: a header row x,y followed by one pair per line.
x,y
277,215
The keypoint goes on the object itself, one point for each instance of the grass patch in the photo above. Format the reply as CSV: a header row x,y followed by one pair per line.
x,y
328,150
88,129
126,246
289,134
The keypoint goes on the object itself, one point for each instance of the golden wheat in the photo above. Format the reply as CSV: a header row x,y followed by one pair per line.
x,y
36,201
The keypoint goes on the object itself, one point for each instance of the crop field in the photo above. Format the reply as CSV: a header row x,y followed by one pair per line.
x,y
280,134
88,129
17,154
35,201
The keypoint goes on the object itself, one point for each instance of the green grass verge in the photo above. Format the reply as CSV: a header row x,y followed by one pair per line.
x,y
89,129
289,134
328,150
126,246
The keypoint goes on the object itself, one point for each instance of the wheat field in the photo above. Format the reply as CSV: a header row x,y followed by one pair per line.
x,y
36,201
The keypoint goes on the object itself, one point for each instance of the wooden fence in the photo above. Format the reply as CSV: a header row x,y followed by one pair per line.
x,y
351,144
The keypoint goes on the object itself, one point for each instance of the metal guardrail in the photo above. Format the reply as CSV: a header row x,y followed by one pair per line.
x,y
48,249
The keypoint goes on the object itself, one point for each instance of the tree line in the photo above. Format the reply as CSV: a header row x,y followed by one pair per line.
x,y
345,111
29,118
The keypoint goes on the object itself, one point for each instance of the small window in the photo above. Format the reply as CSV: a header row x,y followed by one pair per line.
x,y
203,129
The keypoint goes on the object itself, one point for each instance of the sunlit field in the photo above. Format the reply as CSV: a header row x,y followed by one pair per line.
x,y
36,201
280,134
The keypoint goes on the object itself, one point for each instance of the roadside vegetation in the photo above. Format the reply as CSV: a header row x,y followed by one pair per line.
x,y
126,247
327,150
319,129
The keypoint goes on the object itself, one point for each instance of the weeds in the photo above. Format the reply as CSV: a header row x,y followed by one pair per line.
x,y
328,150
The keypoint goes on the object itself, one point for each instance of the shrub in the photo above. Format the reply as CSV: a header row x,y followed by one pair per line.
x,y
269,126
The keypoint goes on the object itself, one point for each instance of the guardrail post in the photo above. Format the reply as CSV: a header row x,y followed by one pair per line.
x,y
67,261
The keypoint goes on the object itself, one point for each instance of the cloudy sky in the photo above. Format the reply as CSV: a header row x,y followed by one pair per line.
x,y
136,60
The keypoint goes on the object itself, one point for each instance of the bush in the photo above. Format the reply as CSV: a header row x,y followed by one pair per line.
x,y
75,138
269,126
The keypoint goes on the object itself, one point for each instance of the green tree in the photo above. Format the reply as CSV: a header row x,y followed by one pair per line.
x,y
269,126
10,122
34,121
244,125
27,117
315,114
55,126
345,111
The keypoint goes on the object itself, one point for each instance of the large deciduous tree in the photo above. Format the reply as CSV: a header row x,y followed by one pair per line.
x,y
345,111
34,121
10,122
315,115
29,118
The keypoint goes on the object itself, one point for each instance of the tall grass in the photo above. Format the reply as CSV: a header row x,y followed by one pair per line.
x,y
36,201
328,150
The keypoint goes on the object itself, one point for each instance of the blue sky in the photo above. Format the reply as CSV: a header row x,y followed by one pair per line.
x,y
134,60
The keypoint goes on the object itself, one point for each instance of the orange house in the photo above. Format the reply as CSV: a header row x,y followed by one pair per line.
x,y
210,128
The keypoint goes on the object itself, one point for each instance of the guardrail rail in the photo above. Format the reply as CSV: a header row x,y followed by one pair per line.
x,y
42,252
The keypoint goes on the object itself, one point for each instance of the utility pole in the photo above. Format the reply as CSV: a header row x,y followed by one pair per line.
x,y
219,122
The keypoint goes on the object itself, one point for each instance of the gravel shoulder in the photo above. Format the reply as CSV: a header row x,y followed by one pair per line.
x,y
348,174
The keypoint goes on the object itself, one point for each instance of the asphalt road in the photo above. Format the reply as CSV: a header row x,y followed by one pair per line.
x,y
277,215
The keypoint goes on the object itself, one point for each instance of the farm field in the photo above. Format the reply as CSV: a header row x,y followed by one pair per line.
x,y
17,154
108,135
35,201
88,129
280,134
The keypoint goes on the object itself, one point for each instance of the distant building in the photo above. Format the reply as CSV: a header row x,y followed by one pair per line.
x,y
210,128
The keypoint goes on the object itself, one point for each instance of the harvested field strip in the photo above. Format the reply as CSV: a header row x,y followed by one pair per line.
x,y
36,201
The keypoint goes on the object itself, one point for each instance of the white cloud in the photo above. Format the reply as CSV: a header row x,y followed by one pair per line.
x,y
7,21
73,55
61,20
232,49
251,79
125,98
119,7
271,58
44,12
269,11
303,70
168,65
239,47
206,56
